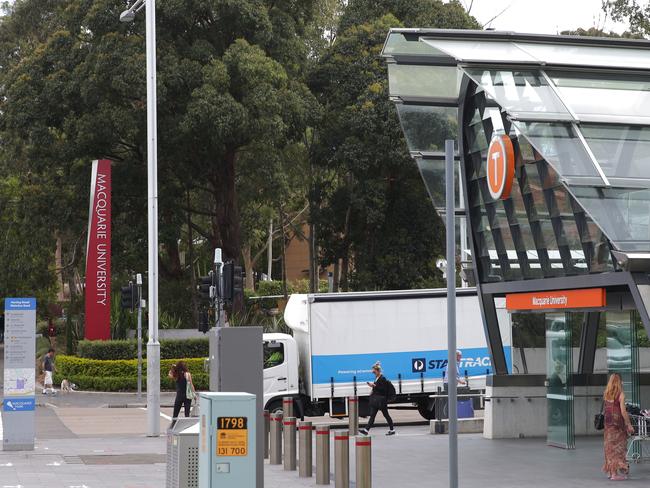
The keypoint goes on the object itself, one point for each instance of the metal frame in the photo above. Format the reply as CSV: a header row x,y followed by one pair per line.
x,y
486,301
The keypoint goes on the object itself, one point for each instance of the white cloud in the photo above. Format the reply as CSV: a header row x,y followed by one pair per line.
x,y
542,16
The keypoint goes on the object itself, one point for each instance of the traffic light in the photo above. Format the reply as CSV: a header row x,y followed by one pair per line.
x,y
204,321
233,281
128,297
205,286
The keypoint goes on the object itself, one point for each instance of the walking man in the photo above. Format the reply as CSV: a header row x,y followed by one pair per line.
x,y
381,391
48,367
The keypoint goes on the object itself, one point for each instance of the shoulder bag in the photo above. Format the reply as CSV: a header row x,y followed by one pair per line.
x,y
599,418
189,390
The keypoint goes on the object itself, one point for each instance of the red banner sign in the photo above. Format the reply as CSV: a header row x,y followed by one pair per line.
x,y
557,299
98,254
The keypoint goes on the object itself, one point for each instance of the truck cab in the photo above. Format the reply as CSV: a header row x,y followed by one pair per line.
x,y
280,370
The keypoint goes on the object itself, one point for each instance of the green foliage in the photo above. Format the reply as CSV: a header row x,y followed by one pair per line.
x,y
374,214
635,13
120,375
128,349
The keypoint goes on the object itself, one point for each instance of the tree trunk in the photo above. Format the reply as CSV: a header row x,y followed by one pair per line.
x,y
248,267
226,225
190,256
337,269
284,255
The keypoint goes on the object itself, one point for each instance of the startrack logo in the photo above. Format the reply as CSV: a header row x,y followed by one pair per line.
x,y
420,365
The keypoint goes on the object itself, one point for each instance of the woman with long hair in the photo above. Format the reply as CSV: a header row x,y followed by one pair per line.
x,y
181,375
617,428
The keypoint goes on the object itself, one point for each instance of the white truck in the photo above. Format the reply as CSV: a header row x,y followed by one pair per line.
x,y
337,337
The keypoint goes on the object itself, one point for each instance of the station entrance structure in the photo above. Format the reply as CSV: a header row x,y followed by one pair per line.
x,y
554,202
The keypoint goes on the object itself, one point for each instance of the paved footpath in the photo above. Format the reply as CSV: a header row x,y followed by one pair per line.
x,y
414,459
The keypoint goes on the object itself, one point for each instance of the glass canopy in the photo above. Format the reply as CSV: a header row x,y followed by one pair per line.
x,y
582,105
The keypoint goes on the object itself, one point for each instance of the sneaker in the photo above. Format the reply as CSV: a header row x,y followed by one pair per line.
x,y
391,432
363,431
618,477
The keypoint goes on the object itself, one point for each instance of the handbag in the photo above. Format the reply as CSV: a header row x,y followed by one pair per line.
x,y
189,391
599,418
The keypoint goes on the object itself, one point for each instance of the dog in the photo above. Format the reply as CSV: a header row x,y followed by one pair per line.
x,y
67,386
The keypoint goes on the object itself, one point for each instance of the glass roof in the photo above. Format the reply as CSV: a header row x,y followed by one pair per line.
x,y
471,51
583,103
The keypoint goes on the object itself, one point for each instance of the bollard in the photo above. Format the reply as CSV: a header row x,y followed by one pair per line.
x,y
287,407
289,428
353,415
304,450
323,455
363,448
342,459
275,451
267,429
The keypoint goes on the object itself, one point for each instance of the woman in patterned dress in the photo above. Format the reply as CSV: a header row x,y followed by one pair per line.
x,y
617,428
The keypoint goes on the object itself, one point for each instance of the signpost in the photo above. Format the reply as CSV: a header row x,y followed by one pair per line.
x,y
20,374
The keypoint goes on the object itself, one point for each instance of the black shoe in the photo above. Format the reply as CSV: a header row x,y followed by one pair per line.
x,y
391,432
363,431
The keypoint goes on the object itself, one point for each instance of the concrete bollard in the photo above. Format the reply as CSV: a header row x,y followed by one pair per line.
x,y
289,433
267,432
304,450
287,407
363,451
275,451
323,455
353,415
342,459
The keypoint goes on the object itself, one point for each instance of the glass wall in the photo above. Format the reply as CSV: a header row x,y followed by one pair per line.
x,y
559,384
540,230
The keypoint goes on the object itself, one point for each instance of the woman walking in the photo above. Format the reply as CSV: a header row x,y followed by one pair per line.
x,y
379,400
183,378
617,428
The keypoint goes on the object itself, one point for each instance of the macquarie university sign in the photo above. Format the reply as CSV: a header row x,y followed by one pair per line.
x,y
98,254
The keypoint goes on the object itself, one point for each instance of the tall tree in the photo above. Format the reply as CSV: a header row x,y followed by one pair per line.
x,y
374,217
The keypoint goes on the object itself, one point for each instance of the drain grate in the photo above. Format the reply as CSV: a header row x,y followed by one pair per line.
x,y
117,459
72,460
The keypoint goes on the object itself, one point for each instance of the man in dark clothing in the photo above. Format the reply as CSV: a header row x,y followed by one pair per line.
x,y
379,401
48,367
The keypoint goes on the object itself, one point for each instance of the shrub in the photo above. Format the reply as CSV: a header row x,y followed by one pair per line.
x,y
121,374
128,349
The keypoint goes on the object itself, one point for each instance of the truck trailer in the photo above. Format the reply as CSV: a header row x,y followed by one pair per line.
x,y
337,337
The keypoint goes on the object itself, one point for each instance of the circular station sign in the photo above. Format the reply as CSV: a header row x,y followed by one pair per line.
x,y
500,167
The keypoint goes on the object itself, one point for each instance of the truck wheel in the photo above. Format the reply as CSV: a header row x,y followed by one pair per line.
x,y
427,409
275,407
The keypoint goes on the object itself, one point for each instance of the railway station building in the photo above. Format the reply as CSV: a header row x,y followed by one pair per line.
x,y
553,207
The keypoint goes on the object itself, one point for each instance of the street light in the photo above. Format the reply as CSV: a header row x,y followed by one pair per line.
x,y
153,346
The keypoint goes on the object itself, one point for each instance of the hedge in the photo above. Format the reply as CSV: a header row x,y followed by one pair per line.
x,y
128,349
121,374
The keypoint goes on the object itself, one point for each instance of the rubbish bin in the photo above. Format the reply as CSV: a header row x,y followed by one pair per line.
x,y
183,454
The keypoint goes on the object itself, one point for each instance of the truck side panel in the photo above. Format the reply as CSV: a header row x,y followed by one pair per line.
x,y
408,337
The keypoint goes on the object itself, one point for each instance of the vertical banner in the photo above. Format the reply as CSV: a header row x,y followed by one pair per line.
x,y
19,387
98,254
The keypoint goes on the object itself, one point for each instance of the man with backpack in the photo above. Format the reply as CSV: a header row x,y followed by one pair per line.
x,y
382,391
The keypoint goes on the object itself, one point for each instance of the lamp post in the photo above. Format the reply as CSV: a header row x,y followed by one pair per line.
x,y
153,346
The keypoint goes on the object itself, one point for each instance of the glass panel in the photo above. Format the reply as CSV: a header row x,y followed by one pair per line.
x,y
623,151
433,174
623,357
520,92
423,81
426,128
397,43
622,213
559,145
572,55
490,51
605,95
559,390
